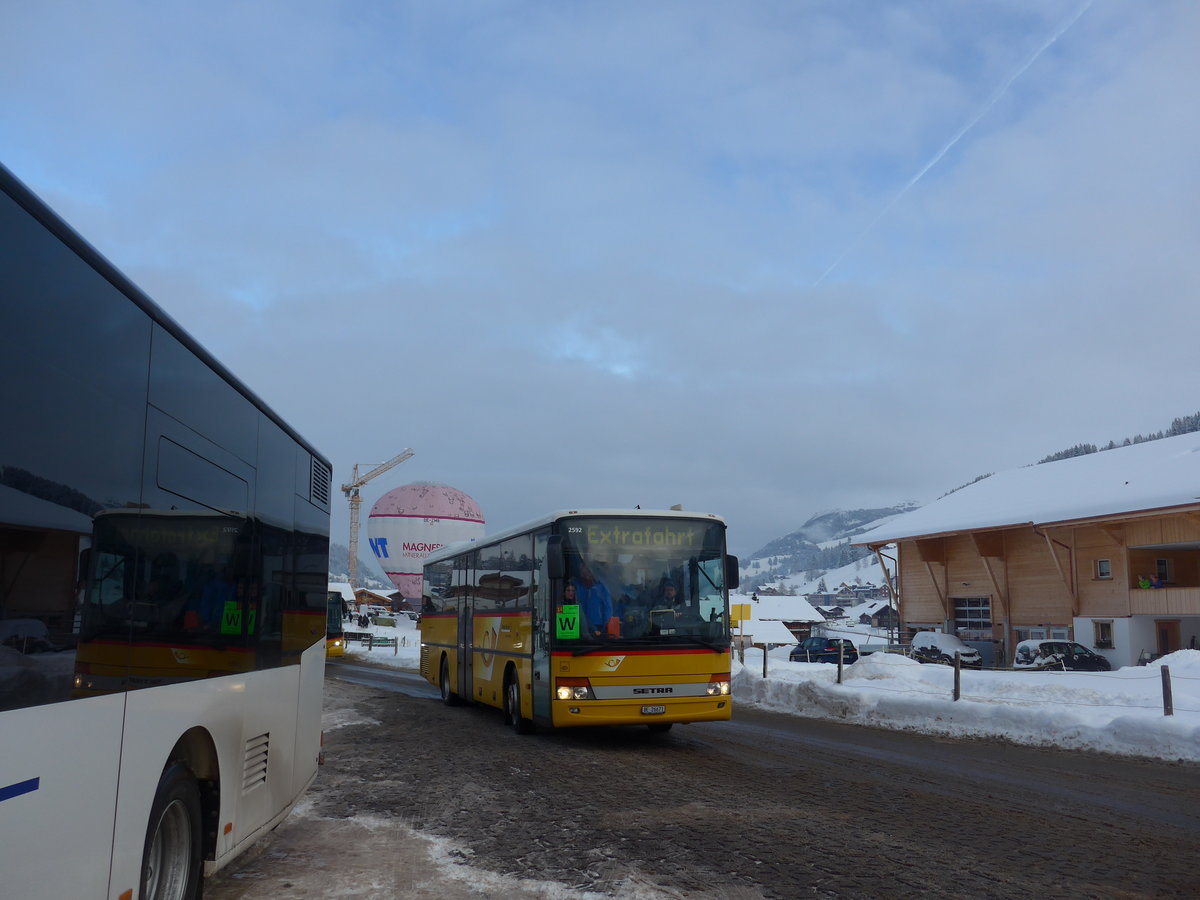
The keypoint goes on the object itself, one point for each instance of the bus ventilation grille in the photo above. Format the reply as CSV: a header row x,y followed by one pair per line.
x,y
254,769
322,476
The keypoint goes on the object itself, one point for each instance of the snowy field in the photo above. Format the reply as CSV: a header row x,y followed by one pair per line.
x,y
1117,712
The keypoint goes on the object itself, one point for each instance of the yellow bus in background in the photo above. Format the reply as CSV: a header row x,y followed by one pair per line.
x,y
585,617
335,631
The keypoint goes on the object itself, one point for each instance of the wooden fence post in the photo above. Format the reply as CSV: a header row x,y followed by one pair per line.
x,y
1168,703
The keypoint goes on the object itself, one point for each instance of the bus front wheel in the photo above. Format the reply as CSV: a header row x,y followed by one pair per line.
x,y
448,696
171,856
512,706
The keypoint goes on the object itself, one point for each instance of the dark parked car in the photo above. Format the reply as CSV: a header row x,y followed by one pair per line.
x,y
936,647
823,649
1068,655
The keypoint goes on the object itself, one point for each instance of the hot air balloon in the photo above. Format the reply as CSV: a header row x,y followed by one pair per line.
x,y
410,522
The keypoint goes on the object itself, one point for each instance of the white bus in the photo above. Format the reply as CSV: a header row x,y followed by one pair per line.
x,y
163,566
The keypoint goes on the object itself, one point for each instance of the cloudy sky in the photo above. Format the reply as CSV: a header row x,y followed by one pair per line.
x,y
762,258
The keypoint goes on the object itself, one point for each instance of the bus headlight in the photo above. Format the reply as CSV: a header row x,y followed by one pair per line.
x,y
573,689
718,686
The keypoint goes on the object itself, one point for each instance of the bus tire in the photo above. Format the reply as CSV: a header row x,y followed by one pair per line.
x,y
512,705
448,696
171,855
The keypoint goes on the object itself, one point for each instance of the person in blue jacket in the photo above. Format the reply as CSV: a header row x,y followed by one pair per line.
x,y
595,600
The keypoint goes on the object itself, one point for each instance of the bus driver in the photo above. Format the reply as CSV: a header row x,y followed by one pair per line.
x,y
671,598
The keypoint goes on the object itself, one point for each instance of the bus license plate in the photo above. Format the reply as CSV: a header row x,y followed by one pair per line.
x,y
653,710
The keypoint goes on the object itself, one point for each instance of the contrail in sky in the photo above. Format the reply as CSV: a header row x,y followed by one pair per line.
x,y
991,101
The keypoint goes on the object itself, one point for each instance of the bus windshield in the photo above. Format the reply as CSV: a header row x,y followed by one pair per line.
x,y
645,580
334,616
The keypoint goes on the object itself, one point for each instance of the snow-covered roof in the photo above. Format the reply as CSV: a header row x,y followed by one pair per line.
x,y
871,607
343,588
1154,475
766,631
783,609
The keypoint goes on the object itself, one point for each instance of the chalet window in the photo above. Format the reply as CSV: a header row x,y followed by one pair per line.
x,y
973,618
1051,633
1103,635
1162,568
1104,568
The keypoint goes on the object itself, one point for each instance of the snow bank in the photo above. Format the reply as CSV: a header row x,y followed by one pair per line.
x,y
1117,712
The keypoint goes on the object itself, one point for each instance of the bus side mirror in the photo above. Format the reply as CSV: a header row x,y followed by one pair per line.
x,y
732,576
554,557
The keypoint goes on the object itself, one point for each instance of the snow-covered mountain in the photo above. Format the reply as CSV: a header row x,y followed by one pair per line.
x,y
339,569
820,547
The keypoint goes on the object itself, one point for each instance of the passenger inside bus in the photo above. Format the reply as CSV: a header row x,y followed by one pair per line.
x,y
594,598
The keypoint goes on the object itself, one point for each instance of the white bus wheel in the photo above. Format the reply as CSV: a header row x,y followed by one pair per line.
x,y
171,858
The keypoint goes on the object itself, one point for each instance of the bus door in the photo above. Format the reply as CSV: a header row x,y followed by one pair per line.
x,y
466,606
541,658
542,617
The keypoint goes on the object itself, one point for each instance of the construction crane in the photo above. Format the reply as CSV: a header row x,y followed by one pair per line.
x,y
351,491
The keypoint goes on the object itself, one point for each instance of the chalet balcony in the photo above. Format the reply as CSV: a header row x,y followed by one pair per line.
x,y
1167,601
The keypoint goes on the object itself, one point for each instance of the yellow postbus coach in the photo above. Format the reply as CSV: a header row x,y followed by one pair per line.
x,y
585,617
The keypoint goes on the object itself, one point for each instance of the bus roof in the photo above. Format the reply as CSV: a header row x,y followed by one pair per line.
x,y
458,547
41,211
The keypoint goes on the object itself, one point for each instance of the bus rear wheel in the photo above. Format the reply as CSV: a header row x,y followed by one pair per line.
x,y
512,706
171,856
448,696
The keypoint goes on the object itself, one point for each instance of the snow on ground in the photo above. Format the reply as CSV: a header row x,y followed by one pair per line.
x,y
1117,712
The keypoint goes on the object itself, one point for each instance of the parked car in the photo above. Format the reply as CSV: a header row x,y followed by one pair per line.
x,y
823,649
1059,654
937,647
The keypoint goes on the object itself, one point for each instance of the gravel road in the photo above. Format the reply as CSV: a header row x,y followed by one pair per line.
x,y
419,800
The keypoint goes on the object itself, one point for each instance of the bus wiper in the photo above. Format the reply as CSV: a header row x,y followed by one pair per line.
x,y
711,645
664,640
675,640
708,578
585,649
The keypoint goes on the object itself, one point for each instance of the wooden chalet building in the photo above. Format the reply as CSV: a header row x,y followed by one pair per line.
x,y
1056,551
877,614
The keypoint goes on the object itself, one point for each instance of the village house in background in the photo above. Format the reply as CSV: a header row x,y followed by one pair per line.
x,y
364,598
775,620
1059,550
